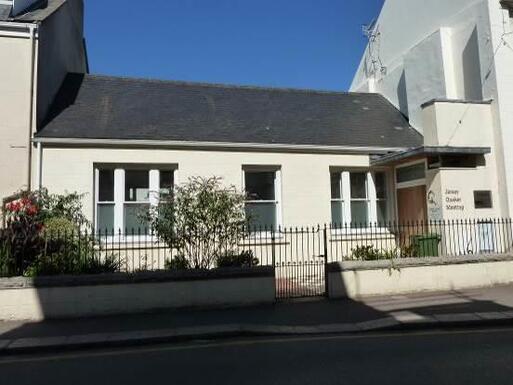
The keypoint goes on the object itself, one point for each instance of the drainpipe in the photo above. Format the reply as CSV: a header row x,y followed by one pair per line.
x,y
33,78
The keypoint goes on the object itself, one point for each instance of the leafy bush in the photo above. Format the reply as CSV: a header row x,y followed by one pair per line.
x,y
177,263
201,220
43,237
59,264
244,259
370,253
56,227
411,251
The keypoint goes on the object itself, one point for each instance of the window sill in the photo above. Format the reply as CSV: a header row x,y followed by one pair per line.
x,y
337,234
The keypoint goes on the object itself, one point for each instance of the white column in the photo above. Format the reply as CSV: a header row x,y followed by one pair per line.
x,y
119,199
372,196
154,187
277,197
346,196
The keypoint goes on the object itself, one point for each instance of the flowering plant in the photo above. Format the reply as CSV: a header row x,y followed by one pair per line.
x,y
26,241
24,207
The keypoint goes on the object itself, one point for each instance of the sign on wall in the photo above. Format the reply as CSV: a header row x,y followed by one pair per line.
x,y
453,200
434,207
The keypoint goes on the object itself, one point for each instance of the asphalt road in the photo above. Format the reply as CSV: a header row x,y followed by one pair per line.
x,y
437,357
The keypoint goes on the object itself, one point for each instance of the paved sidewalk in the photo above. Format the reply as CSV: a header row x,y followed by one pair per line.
x,y
318,316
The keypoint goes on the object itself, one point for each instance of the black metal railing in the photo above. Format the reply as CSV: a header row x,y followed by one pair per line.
x,y
299,254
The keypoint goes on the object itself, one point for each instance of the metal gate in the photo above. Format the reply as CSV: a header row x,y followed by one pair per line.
x,y
300,257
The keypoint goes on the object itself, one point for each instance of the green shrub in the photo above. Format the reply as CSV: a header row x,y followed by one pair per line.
x,y
42,234
177,263
59,227
57,265
411,251
370,253
5,255
244,259
201,219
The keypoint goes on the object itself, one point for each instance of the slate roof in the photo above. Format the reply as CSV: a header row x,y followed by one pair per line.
x,y
102,107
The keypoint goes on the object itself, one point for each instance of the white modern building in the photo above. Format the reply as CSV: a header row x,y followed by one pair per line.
x,y
448,67
305,157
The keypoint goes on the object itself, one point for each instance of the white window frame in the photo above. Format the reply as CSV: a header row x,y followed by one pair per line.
x,y
371,198
277,194
119,194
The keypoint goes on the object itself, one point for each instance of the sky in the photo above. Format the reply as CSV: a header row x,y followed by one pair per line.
x,y
313,44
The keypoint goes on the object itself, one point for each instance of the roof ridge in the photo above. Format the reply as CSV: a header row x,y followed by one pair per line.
x,y
227,86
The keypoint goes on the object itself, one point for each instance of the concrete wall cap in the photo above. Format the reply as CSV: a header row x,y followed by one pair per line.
x,y
414,262
456,101
143,277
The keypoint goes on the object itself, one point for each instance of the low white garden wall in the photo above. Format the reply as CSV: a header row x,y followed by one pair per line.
x,y
85,296
403,276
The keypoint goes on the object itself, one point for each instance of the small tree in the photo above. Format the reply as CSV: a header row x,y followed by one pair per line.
x,y
202,220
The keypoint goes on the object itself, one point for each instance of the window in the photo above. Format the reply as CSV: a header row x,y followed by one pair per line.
x,y
359,198
262,198
411,173
137,200
483,200
105,208
123,195
380,181
337,202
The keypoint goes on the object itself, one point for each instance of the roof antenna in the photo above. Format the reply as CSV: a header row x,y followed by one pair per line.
x,y
372,33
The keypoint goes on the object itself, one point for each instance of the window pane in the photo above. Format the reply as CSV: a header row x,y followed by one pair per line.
x,y
260,185
335,186
382,212
106,186
105,218
166,182
133,221
358,185
483,199
380,181
414,172
337,213
261,215
137,186
359,216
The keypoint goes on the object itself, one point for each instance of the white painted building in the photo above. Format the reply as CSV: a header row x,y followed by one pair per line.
x,y
448,66
305,157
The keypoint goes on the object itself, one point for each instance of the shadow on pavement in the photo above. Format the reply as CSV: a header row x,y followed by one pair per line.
x,y
310,312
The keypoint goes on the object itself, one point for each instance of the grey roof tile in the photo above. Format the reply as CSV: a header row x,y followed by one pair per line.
x,y
102,107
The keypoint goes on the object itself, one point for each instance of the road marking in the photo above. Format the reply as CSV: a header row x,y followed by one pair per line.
x,y
278,340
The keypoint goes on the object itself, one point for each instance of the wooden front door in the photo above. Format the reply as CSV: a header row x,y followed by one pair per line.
x,y
411,203
412,207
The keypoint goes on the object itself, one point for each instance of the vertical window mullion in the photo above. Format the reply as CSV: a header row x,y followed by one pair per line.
x,y
96,197
346,196
372,198
277,196
119,199
154,187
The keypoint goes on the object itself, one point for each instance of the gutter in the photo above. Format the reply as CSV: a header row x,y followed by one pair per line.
x,y
198,145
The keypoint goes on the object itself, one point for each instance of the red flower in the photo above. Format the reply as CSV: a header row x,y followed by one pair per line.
x,y
31,210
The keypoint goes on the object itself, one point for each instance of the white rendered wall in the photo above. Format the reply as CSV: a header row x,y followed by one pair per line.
x,y
305,178
476,54
448,34
15,102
